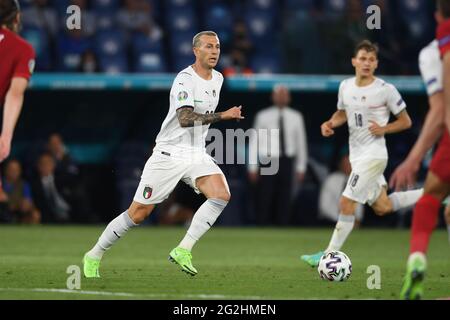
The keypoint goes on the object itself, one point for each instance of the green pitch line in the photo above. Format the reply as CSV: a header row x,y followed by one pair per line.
x,y
232,264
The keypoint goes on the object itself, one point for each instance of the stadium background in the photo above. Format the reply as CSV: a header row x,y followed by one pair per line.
x,y
109,118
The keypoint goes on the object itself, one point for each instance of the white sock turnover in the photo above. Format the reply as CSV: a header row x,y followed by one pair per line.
x,y
405,199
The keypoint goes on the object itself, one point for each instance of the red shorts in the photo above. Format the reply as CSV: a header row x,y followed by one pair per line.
x,y
440,165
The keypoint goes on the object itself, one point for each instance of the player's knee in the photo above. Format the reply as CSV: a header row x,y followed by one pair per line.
x,y
383,210
224,195
346,206
139,212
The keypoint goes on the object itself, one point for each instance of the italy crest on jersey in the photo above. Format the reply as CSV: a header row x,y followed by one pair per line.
x,y
147,192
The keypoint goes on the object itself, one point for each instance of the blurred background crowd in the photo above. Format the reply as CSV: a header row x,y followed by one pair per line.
x,y
285,36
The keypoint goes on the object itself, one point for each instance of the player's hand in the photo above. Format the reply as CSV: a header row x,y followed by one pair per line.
x,y
233,113
404,176
5,148
376,129
327,129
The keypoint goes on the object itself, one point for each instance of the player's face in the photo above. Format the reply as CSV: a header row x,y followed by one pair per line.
x,y
208,52
365,63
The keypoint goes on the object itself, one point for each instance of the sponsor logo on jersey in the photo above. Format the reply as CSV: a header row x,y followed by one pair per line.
x,y
400,102
147,192
182,96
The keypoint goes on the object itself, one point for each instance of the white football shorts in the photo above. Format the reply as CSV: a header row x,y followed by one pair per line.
x,y
366,181
164,170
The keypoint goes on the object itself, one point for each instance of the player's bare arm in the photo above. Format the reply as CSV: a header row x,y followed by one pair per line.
x,y
404,175
446,79
11,112
402,123
337,120
188,118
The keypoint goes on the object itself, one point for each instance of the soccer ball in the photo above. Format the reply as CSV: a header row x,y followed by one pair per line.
x,y
335,266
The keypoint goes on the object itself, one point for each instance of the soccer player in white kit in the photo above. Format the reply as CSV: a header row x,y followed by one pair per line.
x,y
365,103
180,154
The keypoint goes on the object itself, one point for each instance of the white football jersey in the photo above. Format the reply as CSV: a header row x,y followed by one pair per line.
x,y
430,65
374,102
189,89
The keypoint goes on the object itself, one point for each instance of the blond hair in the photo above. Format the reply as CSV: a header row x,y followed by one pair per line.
x,y
196,39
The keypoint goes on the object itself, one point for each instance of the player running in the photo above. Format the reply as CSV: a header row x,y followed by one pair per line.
x,y
16,66
437,183
404,176
365,103
180,154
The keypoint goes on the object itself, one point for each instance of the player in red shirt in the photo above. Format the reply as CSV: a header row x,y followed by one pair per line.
x,y
437,184
17,64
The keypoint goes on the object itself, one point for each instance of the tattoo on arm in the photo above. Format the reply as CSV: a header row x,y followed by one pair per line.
x,y
188,118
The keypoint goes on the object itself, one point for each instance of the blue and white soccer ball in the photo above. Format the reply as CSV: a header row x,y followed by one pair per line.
x,y
335,266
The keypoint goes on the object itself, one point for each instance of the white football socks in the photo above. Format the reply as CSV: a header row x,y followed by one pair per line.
x,y
115,230
343,228
405,199
203,220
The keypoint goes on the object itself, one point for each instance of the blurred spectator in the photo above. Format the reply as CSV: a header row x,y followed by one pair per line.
x,y
275,192
41,15
89,63
238,64
18,198
48,192
240,50
136,16
68,174
331,192
65,165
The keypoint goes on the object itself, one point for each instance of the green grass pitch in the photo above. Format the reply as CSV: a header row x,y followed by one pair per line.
x,y
253,263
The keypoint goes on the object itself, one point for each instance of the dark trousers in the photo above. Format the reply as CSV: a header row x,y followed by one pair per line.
x,y
274,195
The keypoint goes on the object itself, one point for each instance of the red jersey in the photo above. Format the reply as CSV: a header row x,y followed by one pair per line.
x,y
17,59
441,159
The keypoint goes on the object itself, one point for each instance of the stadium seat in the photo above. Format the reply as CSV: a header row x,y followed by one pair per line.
x,y
181,50
260,27
110,43
294,5
105,20
113,64
105,5
265,64
334,7
70,51
148,55
182,21
39,39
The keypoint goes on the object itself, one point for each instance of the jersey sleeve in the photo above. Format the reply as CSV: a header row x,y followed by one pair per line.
x,y
183,91
443,37
431,69
340,103
25,64
394,101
